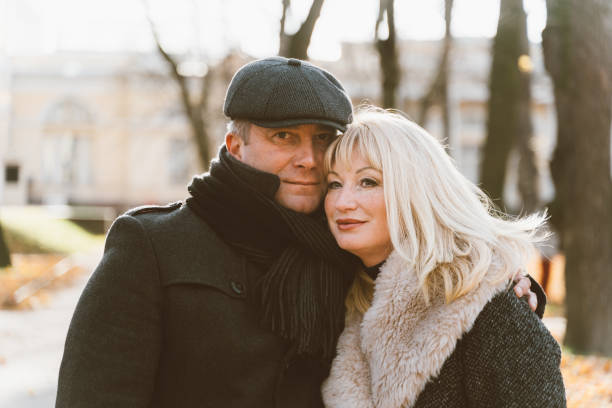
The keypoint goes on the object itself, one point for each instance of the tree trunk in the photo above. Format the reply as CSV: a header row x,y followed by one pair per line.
x,y
509,108
578,56
296,45
438,89
387,51
5,258
528,174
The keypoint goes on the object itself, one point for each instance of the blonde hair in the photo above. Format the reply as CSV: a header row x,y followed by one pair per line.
x,y
441,224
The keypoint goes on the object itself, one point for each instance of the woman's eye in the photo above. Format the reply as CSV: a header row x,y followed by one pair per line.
x,y
368,182
332,185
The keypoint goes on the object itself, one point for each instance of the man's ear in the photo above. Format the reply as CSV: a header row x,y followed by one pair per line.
x,y
234,143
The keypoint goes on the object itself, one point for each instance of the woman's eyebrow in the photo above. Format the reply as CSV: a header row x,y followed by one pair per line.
x,y
366,168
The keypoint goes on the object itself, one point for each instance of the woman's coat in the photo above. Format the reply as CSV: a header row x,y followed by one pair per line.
x,y
484,349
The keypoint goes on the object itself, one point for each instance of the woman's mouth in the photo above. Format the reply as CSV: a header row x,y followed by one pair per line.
x,y
347,224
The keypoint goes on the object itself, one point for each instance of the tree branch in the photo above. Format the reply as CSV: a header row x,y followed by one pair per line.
x,y
181,80
437,89
387,52
296,45
286,5
193,110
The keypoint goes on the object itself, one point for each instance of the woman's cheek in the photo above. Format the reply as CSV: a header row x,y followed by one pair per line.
x,y
329,208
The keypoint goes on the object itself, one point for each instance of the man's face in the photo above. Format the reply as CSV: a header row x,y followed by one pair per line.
x,y
294,154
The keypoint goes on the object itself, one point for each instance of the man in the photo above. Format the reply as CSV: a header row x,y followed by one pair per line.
x,y
235,297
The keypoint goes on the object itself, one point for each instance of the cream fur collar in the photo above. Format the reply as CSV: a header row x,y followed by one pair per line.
x,y
386,356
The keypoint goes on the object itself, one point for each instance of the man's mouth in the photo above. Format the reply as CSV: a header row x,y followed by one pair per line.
x,y
347,224
302,182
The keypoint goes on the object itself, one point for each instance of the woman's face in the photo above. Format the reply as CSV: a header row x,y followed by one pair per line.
x,y
356,210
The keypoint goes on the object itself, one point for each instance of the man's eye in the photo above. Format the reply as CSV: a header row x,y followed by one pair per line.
x,y
332,185
325,137
282,135
368,182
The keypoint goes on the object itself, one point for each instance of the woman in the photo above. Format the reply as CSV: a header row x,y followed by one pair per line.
x,y
431,321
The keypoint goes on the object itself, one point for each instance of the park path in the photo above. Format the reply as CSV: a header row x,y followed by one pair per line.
x,y
32,344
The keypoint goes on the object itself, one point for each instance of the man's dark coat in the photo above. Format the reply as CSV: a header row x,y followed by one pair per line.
x,y
165,321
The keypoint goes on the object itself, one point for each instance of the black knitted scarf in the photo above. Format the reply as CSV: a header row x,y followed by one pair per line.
x,y
306,275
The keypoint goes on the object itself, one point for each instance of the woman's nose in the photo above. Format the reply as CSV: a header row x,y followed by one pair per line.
x,y
346,199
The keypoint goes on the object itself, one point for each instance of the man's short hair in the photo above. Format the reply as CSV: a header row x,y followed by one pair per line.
x,y
240,128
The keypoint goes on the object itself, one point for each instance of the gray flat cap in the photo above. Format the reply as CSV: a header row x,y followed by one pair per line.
x,y
277,92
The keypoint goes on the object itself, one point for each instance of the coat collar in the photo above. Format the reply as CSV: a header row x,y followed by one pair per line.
x,y
386,356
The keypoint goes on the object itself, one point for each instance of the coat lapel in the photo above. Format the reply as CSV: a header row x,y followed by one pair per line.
x,y
386,357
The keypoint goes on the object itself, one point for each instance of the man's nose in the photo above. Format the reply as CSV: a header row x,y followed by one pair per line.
x,y
307,156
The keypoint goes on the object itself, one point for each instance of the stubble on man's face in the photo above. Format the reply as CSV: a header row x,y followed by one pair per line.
x,y
295,154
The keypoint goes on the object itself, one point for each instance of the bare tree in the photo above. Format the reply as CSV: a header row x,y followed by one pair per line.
x,y
578,56
5,258
437,93
509,108
296,45
387,51
193,96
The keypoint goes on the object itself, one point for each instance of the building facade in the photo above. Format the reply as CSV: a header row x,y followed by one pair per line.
x,y
93,129
109,129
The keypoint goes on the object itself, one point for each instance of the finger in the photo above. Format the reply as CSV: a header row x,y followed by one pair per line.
x,y
522,287
533,301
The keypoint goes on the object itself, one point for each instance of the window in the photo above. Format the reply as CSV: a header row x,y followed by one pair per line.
x,y
66,153
66,159
11,173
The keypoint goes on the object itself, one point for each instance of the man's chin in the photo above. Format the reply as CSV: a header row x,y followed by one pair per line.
x,y
301,204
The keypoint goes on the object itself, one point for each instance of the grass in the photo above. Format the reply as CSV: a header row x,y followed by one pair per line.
x,y
37,240
36,230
